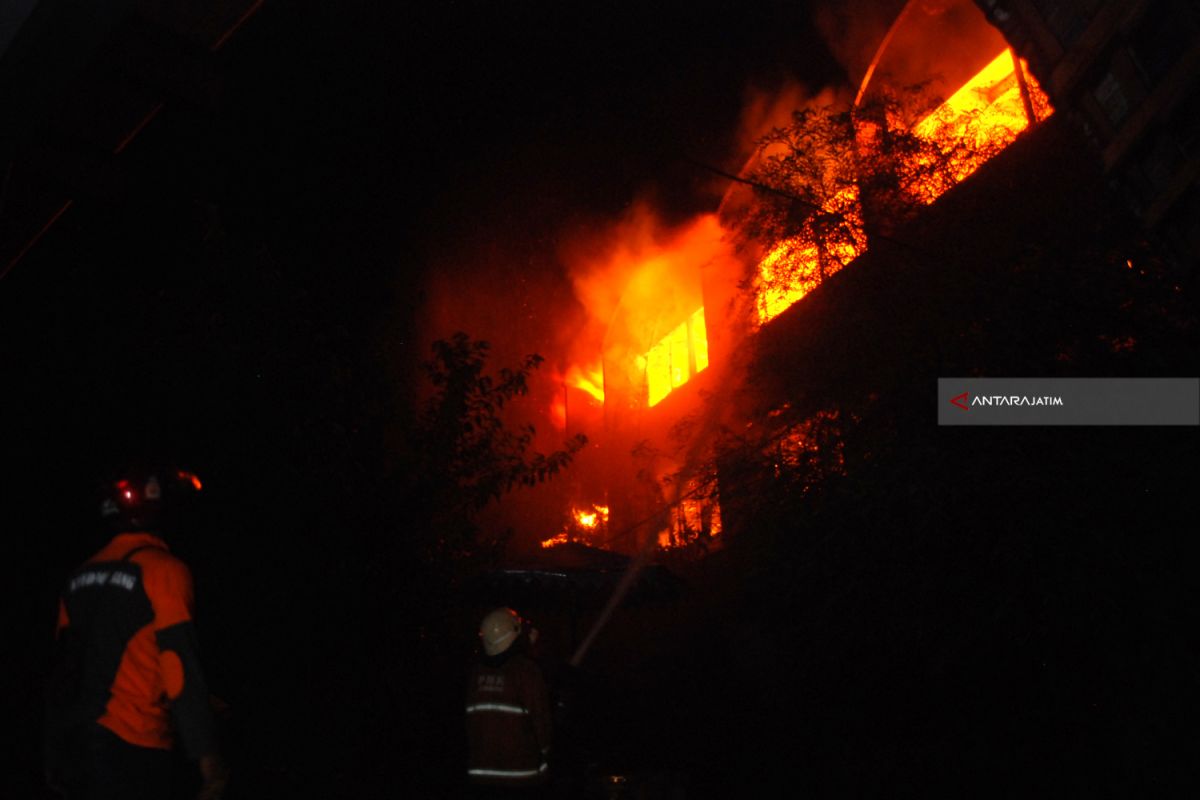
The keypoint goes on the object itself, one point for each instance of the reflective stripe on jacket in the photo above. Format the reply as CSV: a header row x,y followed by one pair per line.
x,y
508,722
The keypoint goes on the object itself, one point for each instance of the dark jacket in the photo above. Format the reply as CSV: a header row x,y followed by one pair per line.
x,y
508,722
128,657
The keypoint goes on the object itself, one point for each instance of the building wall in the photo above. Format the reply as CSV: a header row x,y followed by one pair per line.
x,y
1129,73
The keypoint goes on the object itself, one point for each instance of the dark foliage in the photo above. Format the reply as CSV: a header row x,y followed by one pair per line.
x,y
466,455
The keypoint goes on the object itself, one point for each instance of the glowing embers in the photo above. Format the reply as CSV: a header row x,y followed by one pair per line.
x,y
806,451
797,265
588,525
680,355
982,118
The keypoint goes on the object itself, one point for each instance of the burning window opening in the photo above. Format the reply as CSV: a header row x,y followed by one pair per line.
x,y
676,358
986,114
798,264
981,118
587,525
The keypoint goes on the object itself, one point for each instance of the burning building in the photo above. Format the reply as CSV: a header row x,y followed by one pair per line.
x,y
711,310
678,337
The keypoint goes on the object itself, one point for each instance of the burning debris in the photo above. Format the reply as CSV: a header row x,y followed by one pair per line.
x,y
587,525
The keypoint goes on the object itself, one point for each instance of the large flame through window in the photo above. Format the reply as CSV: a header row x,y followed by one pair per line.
x,y
676,358
988,111
797,265
976,122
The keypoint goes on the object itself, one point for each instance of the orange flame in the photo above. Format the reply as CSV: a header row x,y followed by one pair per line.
x,y
590,379
587,524
591,518
690,520
641,282
794,267
676,358
555,540
987,111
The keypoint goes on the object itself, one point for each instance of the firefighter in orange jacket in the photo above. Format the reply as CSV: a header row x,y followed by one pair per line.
x,y
508,711
127,681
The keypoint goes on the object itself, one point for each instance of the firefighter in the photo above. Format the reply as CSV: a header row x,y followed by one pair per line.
x,y
508,712
127,682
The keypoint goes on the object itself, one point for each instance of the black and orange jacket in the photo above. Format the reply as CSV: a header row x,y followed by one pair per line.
x,y
128,647
508,722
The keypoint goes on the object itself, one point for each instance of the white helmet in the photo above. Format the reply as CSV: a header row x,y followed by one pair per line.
x,y
499,629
